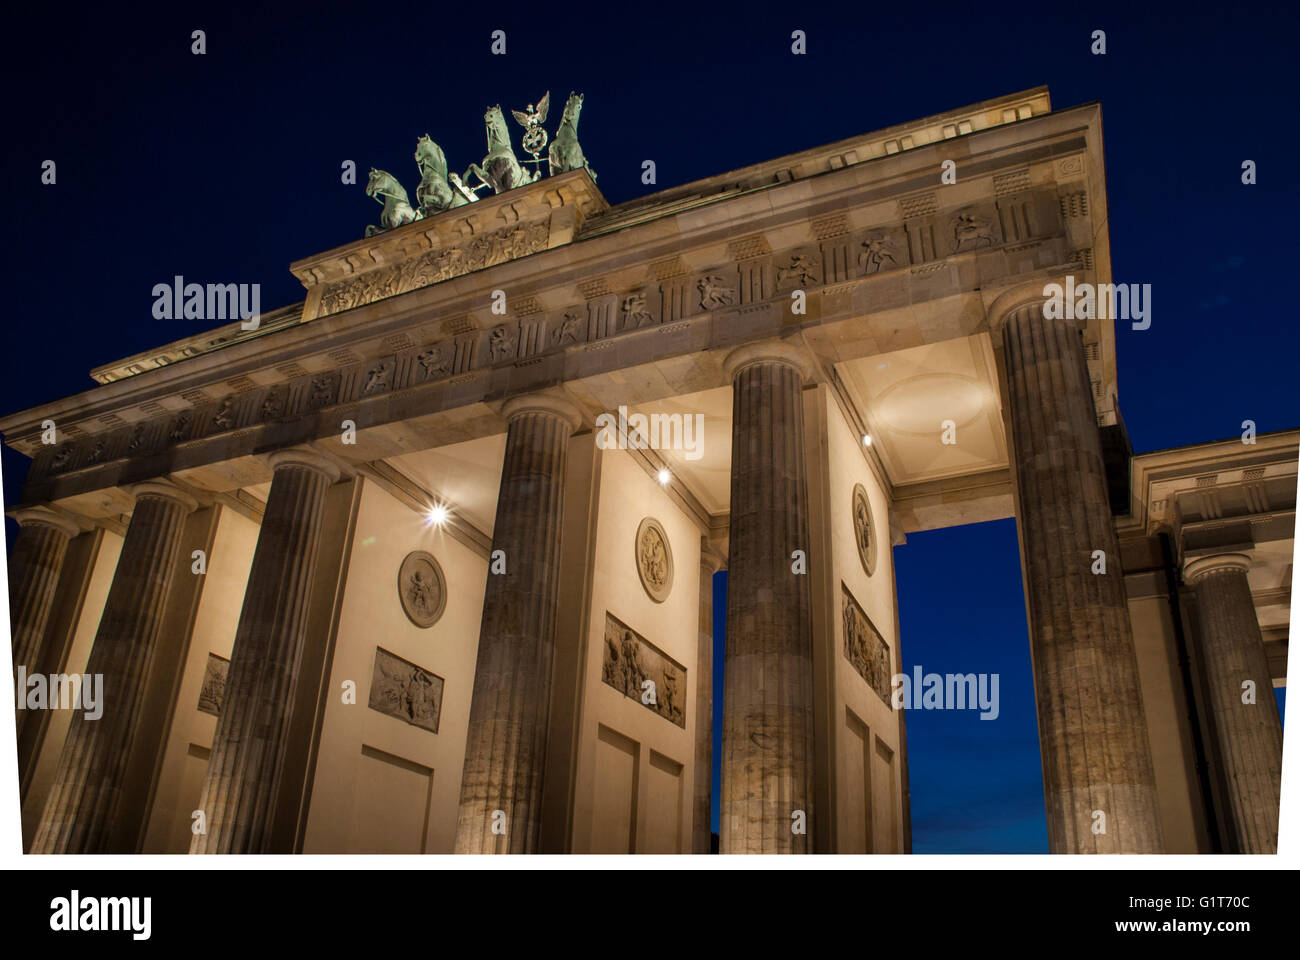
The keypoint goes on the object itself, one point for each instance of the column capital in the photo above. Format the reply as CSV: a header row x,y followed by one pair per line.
x,y
1195,568
307,458
164,490
768,351
45,517
1030,295
548,403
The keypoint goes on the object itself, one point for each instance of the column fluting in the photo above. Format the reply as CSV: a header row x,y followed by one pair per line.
x,y
505,752
241,785
79,811
767,734
1248,735
1098,779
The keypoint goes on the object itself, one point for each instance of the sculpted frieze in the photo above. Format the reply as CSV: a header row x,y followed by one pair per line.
x,y
716,291
483,251
379,377
323,391
405,691
800,270
570,328
434,361
503,343
224,418
274,404
639,670
864,647
755,286
879,251
970,230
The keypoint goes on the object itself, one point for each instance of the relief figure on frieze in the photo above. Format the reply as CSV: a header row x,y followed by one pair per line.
x,y
636,311
876,249
970,231
864,648
569,330
405,691
504,342
434,361
223,418
802,272
642,672
714,292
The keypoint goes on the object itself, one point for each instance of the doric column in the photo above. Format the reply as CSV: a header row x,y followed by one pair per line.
x,y
767,733
34,568
702,842
1097,773
252,731
505,752
79,812
1249,735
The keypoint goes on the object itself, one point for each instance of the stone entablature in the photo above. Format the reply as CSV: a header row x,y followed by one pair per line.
x,y
1213,484
881,238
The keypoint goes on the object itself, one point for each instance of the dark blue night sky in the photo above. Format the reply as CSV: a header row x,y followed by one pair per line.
x,y
225,168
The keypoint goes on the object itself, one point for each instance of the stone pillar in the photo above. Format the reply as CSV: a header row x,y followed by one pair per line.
x,y
767,733
80,810
1091,726
248,749
34,568
505,752
702,841
1248,735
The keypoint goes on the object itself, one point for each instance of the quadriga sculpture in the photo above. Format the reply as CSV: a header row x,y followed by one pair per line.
x,y
434,194
383,186
500,168
566,153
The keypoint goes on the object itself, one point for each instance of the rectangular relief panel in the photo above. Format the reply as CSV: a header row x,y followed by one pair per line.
x,y
403,690
214,684
864,647
631,660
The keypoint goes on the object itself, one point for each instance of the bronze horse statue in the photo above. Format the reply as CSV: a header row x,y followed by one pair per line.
x,y
500,168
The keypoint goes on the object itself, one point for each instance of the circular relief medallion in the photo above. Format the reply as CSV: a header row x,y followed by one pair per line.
x,y
654,559
864,530
422,588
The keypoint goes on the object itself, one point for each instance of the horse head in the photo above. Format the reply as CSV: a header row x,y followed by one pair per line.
x,y
572,108
430,158
383,184
498,135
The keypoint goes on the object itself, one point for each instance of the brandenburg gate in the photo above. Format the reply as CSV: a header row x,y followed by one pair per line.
x,y
424,563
